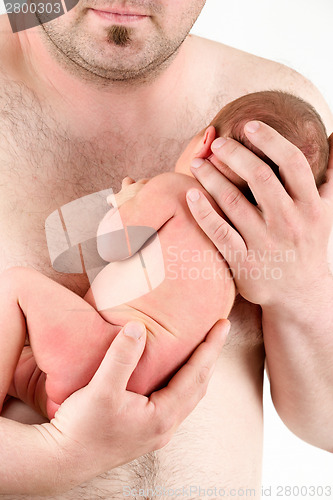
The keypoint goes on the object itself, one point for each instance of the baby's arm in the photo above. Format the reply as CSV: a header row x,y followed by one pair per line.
x,y
124,230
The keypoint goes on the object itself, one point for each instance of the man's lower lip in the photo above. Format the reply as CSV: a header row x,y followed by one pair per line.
x,y
119,18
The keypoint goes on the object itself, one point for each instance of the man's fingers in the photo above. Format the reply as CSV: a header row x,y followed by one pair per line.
x,y
121,359
189,385
293,166
265,186
326,190
244,216
224,237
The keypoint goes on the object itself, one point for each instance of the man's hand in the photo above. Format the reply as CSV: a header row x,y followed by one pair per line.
x,y
278,253
278,248
103,425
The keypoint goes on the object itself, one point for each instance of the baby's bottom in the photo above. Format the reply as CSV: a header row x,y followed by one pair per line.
x,y
69,339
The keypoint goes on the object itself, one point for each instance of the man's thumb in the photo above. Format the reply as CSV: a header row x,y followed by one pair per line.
x,y
122,357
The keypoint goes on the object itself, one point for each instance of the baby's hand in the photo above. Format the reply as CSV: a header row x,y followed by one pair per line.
x,y
127,181
129,189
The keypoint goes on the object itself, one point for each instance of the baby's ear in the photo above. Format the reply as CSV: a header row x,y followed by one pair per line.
x,y
206,142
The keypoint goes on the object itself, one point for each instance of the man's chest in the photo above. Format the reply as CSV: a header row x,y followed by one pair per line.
x,y
45,164
43,154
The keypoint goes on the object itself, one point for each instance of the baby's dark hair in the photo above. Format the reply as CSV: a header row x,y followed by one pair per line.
x,y
289,115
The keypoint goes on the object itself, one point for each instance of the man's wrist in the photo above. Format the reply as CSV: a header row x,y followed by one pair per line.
x,y
75,462
307,302
30,453
64,462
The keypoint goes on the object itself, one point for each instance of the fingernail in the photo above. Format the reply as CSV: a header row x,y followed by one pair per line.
x,y
252,127
218,143
193,195
197,162
227,328
134,330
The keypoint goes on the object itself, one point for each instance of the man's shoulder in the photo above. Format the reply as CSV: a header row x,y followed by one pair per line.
x,y
238,72
258,71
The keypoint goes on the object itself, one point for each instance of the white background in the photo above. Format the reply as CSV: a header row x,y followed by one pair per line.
x,y
298,33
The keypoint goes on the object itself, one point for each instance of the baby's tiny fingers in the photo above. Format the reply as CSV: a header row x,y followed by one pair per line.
x,y
127,181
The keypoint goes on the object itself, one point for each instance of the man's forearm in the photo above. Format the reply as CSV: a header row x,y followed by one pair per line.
x,y
40,460
298,337
31,462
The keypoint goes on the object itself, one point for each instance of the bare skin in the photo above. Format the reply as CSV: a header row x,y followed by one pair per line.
x,y
67,335
82,139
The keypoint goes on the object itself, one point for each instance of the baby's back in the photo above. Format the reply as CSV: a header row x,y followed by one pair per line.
x,y
181,282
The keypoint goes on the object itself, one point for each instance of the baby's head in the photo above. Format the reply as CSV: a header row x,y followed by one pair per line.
x,y
292,117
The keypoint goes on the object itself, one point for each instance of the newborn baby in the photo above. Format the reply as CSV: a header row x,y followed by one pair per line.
x,y
67,334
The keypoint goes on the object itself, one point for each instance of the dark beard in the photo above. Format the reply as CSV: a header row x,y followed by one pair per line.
x,y
119,35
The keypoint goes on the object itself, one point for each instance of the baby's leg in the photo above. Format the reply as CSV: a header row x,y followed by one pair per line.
x,y
67,335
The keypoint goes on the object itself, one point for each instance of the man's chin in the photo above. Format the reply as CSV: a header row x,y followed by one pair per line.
x,y
120,36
